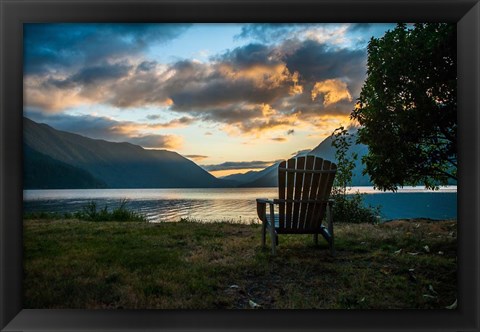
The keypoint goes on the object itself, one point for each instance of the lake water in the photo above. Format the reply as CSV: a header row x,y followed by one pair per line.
x,y
233,204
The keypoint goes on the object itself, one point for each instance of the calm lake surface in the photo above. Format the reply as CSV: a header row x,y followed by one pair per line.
x,y
233,204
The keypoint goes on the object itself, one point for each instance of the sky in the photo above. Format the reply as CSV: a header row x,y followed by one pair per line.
x,y
230,97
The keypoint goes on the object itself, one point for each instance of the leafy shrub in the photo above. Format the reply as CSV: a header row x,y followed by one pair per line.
x,y
121,213
351,209
348,207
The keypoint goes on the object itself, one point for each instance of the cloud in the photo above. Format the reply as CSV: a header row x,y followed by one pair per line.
x,y
50,47
333,90
268,32
229,92
117,84
175,123
332,35
157,141
274,32
249,90
233,165
196,156
360,26
315,61
153,117
99,73
146,66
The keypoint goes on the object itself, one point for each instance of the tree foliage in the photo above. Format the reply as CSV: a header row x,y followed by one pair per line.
x,y
407,107
349,207
345,163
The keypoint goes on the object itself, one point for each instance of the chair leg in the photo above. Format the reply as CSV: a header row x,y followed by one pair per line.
x,y
274,242
264,233
273,236
330,229
315,239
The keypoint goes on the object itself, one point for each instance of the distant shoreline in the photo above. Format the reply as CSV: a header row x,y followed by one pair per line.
x,y
211,204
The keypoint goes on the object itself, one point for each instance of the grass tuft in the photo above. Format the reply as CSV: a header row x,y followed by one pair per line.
x,y
90,212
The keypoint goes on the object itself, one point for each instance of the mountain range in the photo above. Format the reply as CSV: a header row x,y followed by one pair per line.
x,y
268,176
55,159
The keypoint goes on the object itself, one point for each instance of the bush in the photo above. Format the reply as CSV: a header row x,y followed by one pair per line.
x,y
348,207
351,209
121,213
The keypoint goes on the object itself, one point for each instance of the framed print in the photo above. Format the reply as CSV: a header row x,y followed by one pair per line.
x,y
171,165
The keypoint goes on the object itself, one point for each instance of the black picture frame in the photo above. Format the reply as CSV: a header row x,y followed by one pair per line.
x,y
466,13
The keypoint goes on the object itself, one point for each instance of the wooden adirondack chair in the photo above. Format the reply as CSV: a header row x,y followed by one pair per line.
x,y
304,186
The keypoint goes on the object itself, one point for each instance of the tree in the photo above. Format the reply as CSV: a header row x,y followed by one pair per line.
x,y
407,107
348,207
345,164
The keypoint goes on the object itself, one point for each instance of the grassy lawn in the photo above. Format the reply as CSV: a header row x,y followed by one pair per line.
x,y
80,264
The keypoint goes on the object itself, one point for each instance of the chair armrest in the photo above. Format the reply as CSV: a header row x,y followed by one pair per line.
x,y
262,208
264,201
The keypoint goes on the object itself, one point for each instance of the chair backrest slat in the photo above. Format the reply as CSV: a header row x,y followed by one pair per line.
x,y
319,208
307,185
304,183
290,185
282,174
324,188
318,164
298,190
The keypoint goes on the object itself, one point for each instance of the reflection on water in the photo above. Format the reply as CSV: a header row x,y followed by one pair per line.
x,y
231,204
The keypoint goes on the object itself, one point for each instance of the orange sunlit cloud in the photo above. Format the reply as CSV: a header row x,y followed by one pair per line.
x,y
196,157
129,128
295,89
133,132
333,90
56,93
37,94
158,141
262,124
264,76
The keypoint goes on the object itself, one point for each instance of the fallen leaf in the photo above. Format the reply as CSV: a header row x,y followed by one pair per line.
x,y
429,296
398,251
430,288
440,252
254,305
452,306
233,286
427,249
413,253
